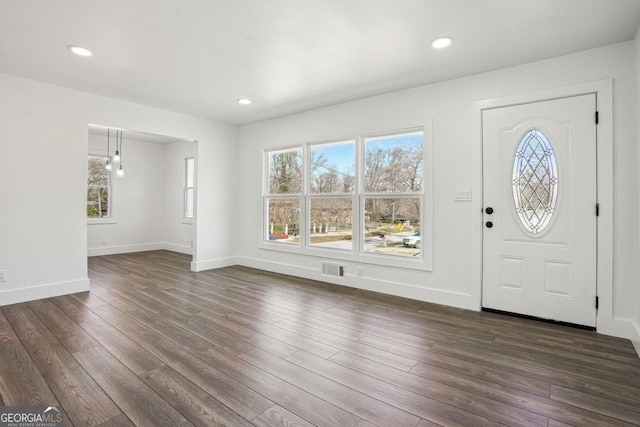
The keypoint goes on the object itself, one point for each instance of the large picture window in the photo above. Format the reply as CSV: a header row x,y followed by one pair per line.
x,y
353,198
98,188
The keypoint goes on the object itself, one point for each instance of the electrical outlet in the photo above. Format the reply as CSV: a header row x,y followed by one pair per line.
x,y
3,275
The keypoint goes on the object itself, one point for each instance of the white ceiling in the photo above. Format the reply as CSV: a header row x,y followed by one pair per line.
x,y
199,56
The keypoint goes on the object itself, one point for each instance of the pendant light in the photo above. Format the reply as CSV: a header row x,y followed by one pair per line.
x,y
108,165
116,157
120,171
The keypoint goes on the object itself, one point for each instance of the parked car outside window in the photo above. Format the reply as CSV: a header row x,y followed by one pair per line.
x,y
412,241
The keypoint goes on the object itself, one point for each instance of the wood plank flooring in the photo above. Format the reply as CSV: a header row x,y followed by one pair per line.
x,y
154,344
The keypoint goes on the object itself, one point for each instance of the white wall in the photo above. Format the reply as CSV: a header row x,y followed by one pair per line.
x,y
448,106
178,232
636,291
43,228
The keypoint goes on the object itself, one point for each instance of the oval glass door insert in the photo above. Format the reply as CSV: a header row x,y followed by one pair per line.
x,y
535,181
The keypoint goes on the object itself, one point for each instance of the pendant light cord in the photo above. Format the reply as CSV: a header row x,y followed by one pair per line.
x,y
120,147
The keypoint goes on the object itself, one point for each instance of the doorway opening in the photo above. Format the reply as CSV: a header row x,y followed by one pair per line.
x,y
142,199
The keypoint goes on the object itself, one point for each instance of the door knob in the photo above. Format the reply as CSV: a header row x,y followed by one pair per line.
x,y
489,224
489,210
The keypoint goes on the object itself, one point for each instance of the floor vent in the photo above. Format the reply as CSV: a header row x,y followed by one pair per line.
x,y
333,269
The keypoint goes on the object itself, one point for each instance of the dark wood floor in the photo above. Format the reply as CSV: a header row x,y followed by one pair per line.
x,y
154,344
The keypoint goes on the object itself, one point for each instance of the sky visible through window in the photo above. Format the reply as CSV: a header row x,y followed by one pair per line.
x,y
341,155
391,142
382,174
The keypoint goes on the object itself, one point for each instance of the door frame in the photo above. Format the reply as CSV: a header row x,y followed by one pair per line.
x,y
603,89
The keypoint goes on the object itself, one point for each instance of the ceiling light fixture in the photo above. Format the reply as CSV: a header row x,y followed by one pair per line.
x,y
244,101
80,51
441,42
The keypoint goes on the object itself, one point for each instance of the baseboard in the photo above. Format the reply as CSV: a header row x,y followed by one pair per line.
x,y
420,293
635,337
615,327
211,264
288,269
126,249
14,296
187,250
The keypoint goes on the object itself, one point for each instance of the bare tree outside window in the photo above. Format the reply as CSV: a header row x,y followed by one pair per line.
x,y
285,189
98,188
369,184
332,181
285,172
394,164
333,168
393,179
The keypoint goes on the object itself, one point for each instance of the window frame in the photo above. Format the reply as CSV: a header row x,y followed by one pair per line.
x,y
267,196
109,219
308,194
357,253
185,199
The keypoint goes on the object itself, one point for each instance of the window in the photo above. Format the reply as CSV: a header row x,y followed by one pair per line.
x,y
98,188
535,181
331,187
351,198
189,181
284,190
393,175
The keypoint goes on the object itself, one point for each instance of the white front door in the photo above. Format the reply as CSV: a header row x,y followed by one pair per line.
x,y
539,197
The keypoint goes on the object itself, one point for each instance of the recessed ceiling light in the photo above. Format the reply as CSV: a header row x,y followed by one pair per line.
x,y
441,42
244,101
80,51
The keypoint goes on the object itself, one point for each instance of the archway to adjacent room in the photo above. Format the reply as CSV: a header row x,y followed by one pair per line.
x,y
146,201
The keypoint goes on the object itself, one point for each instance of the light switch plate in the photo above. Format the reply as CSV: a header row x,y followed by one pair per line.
x,y
463,195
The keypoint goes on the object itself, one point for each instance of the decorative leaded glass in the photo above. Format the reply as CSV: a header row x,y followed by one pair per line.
x,y
535,181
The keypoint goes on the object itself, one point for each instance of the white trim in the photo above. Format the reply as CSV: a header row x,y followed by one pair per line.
x,y
635,337
14,296
197,266
182,249
145,247
369,283
185,218
124,249
101,221
357,253
606,322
